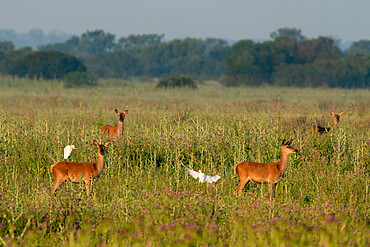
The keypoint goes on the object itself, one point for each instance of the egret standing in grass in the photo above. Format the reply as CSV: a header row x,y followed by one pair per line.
x,y
68,150
203,178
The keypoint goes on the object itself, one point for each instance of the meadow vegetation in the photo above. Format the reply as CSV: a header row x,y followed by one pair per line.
x,y
146,198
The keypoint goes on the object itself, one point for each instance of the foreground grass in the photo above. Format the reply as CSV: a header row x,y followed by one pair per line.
x,y
145,197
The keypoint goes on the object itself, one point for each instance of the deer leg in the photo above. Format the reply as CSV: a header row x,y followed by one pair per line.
x,y
88,187
271,189
275,188
241,185
56,185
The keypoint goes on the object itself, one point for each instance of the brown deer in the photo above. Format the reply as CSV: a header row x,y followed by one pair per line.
x,y
322,130
115,131
73,171
336,116
267,173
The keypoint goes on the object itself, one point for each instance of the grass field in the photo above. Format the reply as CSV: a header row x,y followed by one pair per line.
x,y
146,198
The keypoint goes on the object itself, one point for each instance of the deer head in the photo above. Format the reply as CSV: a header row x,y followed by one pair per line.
x,y
121,115
101,148
336,116
287,148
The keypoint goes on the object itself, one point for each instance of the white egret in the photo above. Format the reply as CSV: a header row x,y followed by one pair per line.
x,y
68,150
203,178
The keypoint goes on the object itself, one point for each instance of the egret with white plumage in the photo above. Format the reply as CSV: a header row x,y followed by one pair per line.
x,y
68,150
203,178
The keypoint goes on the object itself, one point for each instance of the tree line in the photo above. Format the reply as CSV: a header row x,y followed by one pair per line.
x,y
287,59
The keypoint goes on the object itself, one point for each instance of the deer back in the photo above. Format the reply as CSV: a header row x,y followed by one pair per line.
x,y
73,171
258,172
108,130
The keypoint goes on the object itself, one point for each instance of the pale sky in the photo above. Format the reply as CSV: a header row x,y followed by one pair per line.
x,y
348,20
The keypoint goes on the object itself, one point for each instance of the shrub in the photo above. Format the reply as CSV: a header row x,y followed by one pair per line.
x,y
78,79
176,81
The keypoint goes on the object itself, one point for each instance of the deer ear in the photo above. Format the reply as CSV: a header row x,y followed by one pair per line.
x,y
96,143
290,142
117,111
341,113
332,113
106,144
283,143
126,112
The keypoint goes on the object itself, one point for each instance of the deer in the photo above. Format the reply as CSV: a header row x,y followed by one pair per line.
x,y
266,173
115,131
322,130
73,171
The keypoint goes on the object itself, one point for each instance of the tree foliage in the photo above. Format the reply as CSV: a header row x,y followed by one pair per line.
x,y
361,46
287,59
294,33
146,55
138,42
7,58
46,65
176,82
6,45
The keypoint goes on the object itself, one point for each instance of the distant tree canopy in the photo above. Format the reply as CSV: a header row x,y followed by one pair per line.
x,y
138,42
287,32
289,58
8,57
47,65
6,45
293,60
361,46
146,55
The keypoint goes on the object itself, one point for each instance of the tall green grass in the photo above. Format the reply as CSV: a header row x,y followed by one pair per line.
x,y
146,198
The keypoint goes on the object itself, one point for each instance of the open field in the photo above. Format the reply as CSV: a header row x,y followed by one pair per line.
x,y
146,198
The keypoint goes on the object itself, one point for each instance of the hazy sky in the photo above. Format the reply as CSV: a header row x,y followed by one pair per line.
x,y
348,20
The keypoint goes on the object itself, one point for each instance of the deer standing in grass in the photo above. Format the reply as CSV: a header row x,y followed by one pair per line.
x,y
74,171
322,130
267,173
115,131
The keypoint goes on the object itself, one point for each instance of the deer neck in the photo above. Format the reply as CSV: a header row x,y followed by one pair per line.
x,y
120,128
283,164
99,164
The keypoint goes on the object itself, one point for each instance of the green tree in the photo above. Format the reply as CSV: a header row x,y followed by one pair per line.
x,y
46,64
7,58
90,44
361,46
6,46
289,32
95,42
193,57
287,47
252,63
309,50
115,65
71,46
138,42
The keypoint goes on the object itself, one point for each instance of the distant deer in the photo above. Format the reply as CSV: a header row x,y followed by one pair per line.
x,y
74,171
267,173
336,116
115,131
322,130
